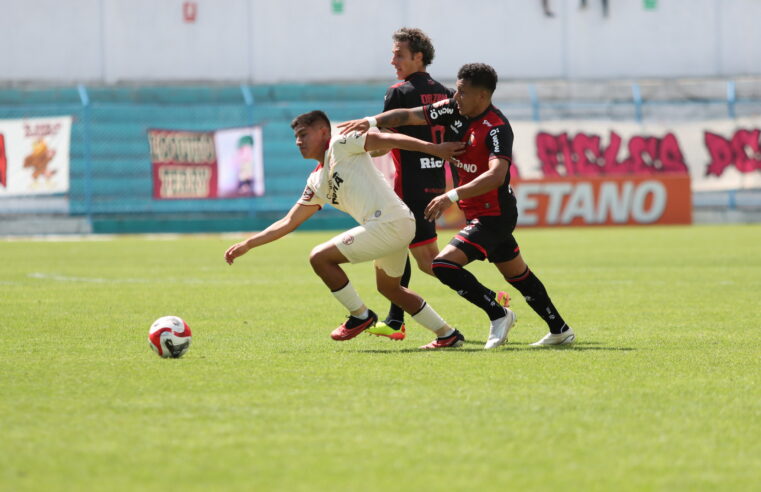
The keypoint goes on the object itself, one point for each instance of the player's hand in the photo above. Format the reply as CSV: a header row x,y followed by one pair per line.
x,y
360,126
449,150
236,250
436,207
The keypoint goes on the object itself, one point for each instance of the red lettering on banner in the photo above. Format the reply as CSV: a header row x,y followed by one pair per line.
x,y
41,129
583,155
3,163
743,151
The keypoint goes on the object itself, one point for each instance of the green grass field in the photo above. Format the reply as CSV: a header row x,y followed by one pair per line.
x,y
662,391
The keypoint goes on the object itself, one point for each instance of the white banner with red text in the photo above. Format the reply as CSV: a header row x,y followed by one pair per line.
x,y
717,154
34,156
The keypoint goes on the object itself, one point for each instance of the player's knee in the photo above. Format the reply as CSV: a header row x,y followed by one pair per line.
x,y
425,264
317,258
446,271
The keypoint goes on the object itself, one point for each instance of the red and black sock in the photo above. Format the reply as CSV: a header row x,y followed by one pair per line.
x,y
536,296
467,285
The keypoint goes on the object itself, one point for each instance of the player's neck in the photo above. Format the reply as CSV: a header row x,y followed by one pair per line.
x,y
320,157
481,109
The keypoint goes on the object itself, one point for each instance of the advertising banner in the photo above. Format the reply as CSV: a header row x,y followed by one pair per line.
x,y
34,156
717,154
184,164
214,164
609,200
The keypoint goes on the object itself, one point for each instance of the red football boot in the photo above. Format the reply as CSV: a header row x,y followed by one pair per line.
x,y
353,326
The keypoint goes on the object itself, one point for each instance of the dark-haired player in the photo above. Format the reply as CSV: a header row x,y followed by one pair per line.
x,y
419,176
346,178
485,196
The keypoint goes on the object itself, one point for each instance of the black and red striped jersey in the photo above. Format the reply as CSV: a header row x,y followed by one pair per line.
x,y
487,135
419,177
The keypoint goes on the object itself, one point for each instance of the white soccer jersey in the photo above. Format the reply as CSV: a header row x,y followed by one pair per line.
x,y
348,180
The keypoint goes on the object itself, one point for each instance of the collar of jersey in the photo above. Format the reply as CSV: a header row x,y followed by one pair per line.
x,y
491,106
409,77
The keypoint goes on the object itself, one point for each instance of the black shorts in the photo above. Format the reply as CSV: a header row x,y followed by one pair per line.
x,y
425,230
489,237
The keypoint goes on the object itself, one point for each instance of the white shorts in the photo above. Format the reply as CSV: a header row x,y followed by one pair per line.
x,y
384,242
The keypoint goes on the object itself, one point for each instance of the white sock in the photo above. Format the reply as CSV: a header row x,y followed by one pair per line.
x,y
430,319
348,297
363,315
447,334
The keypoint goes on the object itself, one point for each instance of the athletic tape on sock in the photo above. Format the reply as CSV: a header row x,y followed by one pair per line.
x,y
348,297
429,318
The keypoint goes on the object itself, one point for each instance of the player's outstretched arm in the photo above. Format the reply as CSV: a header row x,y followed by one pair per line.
x,y
294,218
388,119
376,141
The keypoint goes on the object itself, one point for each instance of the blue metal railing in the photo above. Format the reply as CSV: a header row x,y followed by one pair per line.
x,y
87,143
110,162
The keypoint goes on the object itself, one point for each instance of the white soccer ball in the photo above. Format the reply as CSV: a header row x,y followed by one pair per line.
x,y
169,336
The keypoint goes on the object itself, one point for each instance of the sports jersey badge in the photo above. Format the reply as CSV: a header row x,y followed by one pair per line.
x,y
308,194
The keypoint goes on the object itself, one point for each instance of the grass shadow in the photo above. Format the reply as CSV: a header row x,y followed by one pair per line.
x,y
477,346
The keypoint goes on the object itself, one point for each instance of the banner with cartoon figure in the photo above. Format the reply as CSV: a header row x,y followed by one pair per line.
x,y
717,154
212,164
34,156
239,161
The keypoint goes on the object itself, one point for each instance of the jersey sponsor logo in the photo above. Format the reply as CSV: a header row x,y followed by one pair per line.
x,y
495,140
308,194
486,122
456,126
429,163
468,168
334,183
436,112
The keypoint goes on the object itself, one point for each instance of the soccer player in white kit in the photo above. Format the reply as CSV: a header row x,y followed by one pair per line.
x,y
346,178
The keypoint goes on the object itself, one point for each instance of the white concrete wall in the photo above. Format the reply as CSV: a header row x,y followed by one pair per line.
x,y
304,41
50,40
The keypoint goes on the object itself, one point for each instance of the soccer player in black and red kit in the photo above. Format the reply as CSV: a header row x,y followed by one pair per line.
x,y
419,177
485,196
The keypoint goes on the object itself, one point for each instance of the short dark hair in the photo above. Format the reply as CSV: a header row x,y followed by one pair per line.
x,y
479,75
418,42
310,118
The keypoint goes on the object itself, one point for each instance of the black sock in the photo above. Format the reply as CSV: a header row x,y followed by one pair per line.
x,y
395,318
467,285
536,296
